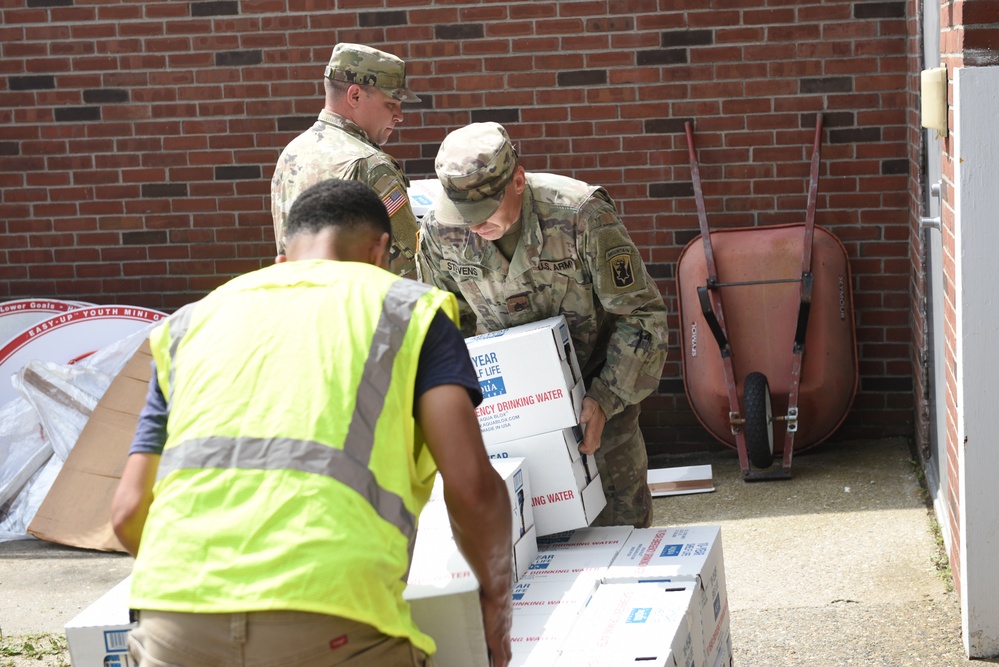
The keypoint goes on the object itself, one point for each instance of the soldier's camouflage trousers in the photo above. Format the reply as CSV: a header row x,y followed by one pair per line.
x,y
623,464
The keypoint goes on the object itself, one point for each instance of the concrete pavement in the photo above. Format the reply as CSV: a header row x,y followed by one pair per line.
x,y
835,566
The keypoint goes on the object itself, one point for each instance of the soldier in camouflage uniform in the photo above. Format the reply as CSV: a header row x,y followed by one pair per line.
x,y
516,247
365,89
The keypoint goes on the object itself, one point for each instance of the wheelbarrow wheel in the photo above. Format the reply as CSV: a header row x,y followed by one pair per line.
x,y
759,420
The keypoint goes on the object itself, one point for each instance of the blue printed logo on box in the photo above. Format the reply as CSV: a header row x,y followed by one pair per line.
x,y
422,200
671,550
639,615
492,387
116,641
118,660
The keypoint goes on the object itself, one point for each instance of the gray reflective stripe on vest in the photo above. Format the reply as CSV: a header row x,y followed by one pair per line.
x,y
349,466
179,323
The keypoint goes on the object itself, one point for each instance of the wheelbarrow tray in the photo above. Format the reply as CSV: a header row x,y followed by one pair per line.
x,y
759,277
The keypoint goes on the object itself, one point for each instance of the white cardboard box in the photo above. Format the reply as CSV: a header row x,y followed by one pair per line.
x,y
423,194
551,604
514,472
442,590
535,640
724,658
544,609
628,623
530,380
518,486
443,594
565,486
98,635
682,554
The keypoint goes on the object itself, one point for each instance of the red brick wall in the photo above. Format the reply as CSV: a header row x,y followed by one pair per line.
x,y
137,138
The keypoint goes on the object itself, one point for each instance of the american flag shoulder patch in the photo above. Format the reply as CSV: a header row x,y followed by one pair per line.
x,y
394,200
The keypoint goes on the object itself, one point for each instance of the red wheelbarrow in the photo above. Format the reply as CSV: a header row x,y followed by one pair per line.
x,y
767,332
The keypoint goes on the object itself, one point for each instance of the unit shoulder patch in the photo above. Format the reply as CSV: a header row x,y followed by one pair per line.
x,y
621,269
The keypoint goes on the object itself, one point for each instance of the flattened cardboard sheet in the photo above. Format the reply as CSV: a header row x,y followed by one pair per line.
x,y
77,510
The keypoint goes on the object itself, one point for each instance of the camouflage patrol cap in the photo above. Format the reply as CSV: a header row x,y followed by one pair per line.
x,y
474,164
357,63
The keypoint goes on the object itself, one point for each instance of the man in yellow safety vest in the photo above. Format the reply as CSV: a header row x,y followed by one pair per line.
x,y
294,425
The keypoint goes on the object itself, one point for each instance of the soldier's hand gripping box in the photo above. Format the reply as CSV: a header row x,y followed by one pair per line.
x,y
530,380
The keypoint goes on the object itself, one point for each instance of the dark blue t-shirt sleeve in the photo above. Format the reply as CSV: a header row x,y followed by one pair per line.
x,y
444,360
151,429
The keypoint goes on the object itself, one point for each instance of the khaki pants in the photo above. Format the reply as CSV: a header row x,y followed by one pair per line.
x,y
265,639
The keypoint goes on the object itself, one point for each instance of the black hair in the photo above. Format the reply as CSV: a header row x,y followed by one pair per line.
x,y
347,205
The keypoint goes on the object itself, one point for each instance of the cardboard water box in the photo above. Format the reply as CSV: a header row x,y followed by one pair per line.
x,y
442,590
724,658
534,642
679,554
530,380
515,473
553,597
443,594
544,610
566,489
556,588
98,635
577,555
518,487
626,623
423,194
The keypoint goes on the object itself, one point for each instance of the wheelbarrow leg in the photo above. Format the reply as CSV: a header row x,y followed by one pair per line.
x,y
711,307
804,308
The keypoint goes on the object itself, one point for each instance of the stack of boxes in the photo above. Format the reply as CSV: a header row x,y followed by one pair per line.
x,y
614,596
589,596
678,555
532,398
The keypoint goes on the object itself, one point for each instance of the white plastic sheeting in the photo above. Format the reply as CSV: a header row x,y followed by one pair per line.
x,y
40,426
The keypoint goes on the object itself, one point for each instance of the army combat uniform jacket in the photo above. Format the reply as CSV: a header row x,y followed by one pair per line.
x,y
574,258
336,147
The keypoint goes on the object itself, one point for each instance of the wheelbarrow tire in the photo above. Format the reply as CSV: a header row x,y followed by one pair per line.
x,y
759,420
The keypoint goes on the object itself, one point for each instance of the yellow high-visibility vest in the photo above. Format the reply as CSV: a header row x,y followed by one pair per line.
x,y
293,471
